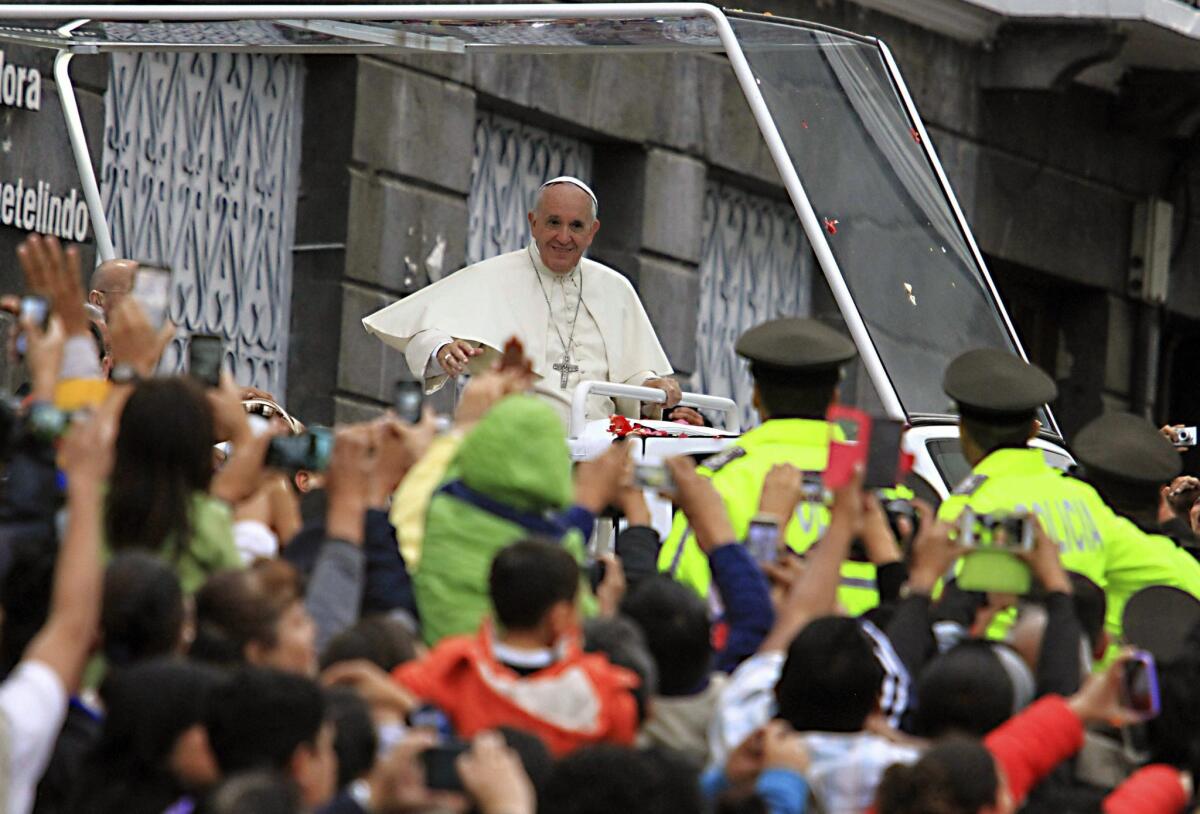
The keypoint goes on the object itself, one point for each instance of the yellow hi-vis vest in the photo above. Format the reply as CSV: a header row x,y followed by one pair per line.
x,y
1092,539
738,474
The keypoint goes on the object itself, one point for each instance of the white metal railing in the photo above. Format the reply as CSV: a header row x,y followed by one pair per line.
x,y
650,395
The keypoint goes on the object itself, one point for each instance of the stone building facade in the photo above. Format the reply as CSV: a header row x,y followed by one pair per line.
x,y
1049,178
402,169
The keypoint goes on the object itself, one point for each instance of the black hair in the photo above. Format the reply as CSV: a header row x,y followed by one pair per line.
x,y
965,690
148,706
255,793
1007,432
354,738
622,642
25,594
257,718
956,776
605,779
740,801
143,611
786,393
535,758
674,620
831,678
1174,735
527,579
239,606
164,455
382,640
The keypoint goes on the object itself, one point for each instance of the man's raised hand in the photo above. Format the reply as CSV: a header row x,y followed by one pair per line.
x,y
455,356
600,481
701,503
55,275
134,340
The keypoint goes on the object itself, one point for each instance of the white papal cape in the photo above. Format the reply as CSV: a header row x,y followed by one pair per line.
x,y
493,300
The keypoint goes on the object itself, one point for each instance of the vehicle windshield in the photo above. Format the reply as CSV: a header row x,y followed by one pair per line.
x,y
892,230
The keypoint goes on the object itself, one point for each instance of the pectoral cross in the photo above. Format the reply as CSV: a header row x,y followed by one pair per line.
x,y
565,369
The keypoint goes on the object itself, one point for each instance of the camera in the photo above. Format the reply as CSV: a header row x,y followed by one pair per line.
x,y
1010,532
308,452
1185,437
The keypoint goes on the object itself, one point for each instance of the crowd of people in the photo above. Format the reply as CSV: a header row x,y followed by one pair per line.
x,y
420,621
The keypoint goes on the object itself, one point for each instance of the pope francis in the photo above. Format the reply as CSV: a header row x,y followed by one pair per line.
x,y
579,320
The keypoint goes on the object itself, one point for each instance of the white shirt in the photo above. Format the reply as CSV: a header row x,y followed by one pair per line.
x,y
34,704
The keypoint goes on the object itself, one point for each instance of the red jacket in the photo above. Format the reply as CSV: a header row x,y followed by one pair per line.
x,y
579,700
1029,746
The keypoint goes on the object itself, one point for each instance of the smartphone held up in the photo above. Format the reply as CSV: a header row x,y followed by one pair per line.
x,y
152,290
205,355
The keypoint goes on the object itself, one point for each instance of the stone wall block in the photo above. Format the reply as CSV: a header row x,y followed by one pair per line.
x,y
730,136
455,67
352,411
1041,218
403,236
674,205
413,125
670,293
366,367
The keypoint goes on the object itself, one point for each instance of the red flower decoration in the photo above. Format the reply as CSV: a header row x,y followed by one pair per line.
x,y
831,226
622,427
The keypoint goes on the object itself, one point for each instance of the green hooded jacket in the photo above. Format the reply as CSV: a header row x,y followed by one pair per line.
x,y
511,476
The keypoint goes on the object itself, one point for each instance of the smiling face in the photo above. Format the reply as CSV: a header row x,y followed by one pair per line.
x,y
563,226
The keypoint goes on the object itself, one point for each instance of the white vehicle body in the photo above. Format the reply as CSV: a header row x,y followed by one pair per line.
x,y
876,208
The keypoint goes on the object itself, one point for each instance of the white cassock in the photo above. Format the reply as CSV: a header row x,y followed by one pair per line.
x,y
491,301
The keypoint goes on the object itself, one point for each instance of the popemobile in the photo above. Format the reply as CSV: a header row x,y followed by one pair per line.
x,y
900,261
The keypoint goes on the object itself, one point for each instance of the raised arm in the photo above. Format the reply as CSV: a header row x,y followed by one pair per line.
x,y
65,641
815,592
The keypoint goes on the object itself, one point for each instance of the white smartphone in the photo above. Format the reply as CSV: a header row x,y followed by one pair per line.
x,y
152,290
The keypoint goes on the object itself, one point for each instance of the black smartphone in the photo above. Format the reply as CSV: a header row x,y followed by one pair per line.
x,y
308,452
152,290
441,773
883,453
1139,685
205,354
408,399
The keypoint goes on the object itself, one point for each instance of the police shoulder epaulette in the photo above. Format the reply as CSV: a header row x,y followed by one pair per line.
x,y
715,463
969,485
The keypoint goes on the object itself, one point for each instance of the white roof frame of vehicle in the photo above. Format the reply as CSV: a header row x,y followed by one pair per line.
x,y
364,29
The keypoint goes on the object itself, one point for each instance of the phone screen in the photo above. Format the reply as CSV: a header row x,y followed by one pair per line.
x,y
1139,685
152,290
883,455
409,398
205,354
762,538
36,310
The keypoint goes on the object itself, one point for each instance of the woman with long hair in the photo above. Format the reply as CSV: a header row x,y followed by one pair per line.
x,y
158,496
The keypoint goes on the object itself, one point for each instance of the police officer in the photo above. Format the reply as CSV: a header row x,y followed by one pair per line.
x,y
998,396
1128,461
796,365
